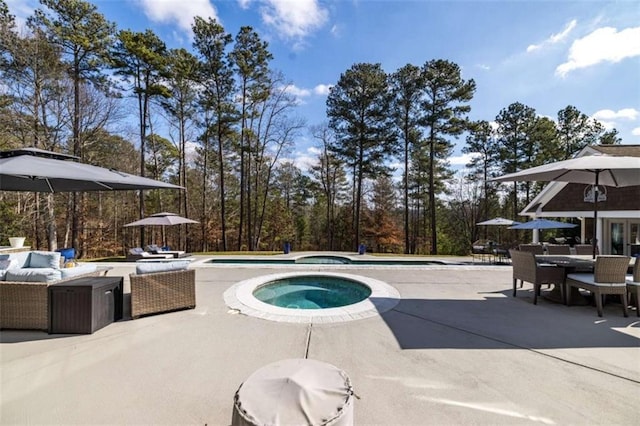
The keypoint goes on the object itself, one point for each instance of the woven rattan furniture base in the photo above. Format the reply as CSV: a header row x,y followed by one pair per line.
x,y
609,277
25,305
162,292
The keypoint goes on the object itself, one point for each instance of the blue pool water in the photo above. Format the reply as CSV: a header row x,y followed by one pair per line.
x,y
312,292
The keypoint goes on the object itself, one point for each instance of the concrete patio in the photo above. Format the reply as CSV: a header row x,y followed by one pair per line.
x,y
457,349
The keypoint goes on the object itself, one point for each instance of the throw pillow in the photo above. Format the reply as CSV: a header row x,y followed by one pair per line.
x,y
44,259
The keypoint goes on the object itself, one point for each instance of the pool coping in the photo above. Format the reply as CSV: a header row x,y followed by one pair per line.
x,y
239,298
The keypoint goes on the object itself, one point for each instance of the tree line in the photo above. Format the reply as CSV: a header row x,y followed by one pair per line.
x,y
220,121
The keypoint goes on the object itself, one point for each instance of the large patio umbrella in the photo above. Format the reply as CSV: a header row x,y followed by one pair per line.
x,y
498,221
36,170
543,224
162,219
591,169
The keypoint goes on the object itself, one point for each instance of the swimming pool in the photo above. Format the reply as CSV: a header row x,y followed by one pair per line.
x,y
241,298
321,260
312,292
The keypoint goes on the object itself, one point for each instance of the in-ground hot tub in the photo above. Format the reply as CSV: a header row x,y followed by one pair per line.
x,y
311,297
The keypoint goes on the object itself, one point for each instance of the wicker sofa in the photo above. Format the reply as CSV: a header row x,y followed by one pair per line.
x,y
24,295
162,287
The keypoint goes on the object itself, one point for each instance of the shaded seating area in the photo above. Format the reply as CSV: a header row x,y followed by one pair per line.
x,y
159,287
526,269
608,278
482,250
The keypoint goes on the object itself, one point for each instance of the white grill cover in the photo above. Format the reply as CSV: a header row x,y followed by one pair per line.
x,y
295,392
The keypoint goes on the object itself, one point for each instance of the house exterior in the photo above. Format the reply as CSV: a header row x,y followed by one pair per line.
x,y
618,227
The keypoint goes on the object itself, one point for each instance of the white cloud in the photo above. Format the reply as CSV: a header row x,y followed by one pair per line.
x,y
624,114
305,160
605,44
554,38
322,89
297,91
484,67
293,18
178,11
636,131
336,30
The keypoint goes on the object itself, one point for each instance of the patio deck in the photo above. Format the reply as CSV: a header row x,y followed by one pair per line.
x,y
457,349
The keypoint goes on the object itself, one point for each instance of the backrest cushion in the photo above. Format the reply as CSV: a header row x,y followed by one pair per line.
x,y
151,267
44,259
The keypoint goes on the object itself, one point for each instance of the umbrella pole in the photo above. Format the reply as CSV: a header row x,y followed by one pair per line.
x,y
595,215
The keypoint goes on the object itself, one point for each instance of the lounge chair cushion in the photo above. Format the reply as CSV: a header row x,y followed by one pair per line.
x,y
44,259
590,279
151,267
84,268
33,274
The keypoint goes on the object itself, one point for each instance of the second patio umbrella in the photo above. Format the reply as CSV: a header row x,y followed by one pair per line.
x,y
498,221
543,224
162,219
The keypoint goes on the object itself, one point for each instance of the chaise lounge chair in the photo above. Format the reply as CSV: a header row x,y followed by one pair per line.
x,y
154,249
138,253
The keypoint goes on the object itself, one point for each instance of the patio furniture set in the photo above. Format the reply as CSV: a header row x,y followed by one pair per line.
x,y
604,276
83,299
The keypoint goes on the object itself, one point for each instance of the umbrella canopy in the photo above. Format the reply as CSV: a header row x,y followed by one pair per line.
x,y
590,169
498,221
542,224
36,170
162,219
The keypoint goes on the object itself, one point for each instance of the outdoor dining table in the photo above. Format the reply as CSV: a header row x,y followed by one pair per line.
x,y
571,264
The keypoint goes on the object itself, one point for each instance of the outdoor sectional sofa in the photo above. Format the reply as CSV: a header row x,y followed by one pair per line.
x,y
24,281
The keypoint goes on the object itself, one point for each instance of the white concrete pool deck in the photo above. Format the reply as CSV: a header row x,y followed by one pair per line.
x,y
457,349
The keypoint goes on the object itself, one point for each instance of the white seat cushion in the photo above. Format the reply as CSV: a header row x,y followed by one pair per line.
x,y
589,279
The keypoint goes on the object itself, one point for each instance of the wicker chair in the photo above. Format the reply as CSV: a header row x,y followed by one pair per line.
x,y
162,292
526,269
558,249
25,305
609,277
584,249
531,248
633,285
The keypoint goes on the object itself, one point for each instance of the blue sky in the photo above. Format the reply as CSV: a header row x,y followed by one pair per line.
x,y
544,54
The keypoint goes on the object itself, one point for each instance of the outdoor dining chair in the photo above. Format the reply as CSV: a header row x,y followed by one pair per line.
x,y
558,249
532,248
609,277
526,269
633,285
584,249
